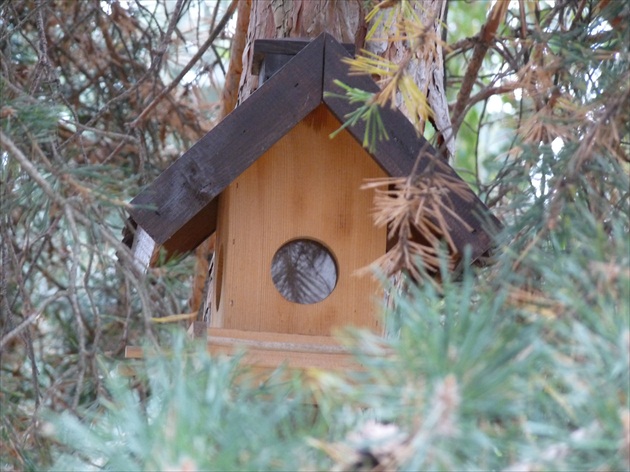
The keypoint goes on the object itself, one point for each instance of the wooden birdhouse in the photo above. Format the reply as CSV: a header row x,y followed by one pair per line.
x,y
292,224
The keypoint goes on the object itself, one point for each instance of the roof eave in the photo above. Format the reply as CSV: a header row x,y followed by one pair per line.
x,y
474,225
177,209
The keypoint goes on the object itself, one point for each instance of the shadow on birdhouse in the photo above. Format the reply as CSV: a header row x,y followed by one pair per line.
x,y
292,225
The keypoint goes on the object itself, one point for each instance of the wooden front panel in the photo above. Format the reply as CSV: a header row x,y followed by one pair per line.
x,y
305,186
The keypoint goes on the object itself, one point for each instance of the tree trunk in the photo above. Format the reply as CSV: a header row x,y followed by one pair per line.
x,y
426,67
344,20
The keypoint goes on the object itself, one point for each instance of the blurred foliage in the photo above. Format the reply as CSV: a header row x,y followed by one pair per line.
x,y
75,76
190,420
520,365
475,380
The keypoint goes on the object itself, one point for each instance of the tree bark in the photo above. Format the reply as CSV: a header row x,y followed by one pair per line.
x,y
426,66
343,19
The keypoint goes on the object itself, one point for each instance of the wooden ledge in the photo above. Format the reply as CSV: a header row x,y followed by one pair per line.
x,y
271,350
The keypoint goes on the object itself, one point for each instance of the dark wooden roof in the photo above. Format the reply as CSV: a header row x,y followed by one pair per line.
x,y
179,209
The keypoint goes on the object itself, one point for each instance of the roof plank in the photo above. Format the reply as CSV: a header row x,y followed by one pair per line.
x,y
189,185
398,154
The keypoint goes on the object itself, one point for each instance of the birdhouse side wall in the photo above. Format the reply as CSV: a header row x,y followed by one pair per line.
x,y
305,186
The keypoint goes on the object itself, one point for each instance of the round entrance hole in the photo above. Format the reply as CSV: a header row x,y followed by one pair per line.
x,y
304,271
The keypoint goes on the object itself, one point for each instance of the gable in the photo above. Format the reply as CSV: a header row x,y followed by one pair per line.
x,y
306,187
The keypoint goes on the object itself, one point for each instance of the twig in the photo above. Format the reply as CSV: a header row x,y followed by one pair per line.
x,y
489,92
107,134
485,38
204,47
29,168
154,65
29,320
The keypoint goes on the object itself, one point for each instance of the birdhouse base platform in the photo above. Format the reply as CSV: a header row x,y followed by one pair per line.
x,y
268,351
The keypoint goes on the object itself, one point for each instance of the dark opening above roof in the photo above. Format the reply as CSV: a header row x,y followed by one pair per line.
x,y
178,210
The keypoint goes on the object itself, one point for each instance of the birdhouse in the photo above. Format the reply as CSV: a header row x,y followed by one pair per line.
x,y
284,200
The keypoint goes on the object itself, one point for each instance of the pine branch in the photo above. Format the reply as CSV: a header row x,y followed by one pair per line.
x,y
482,44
